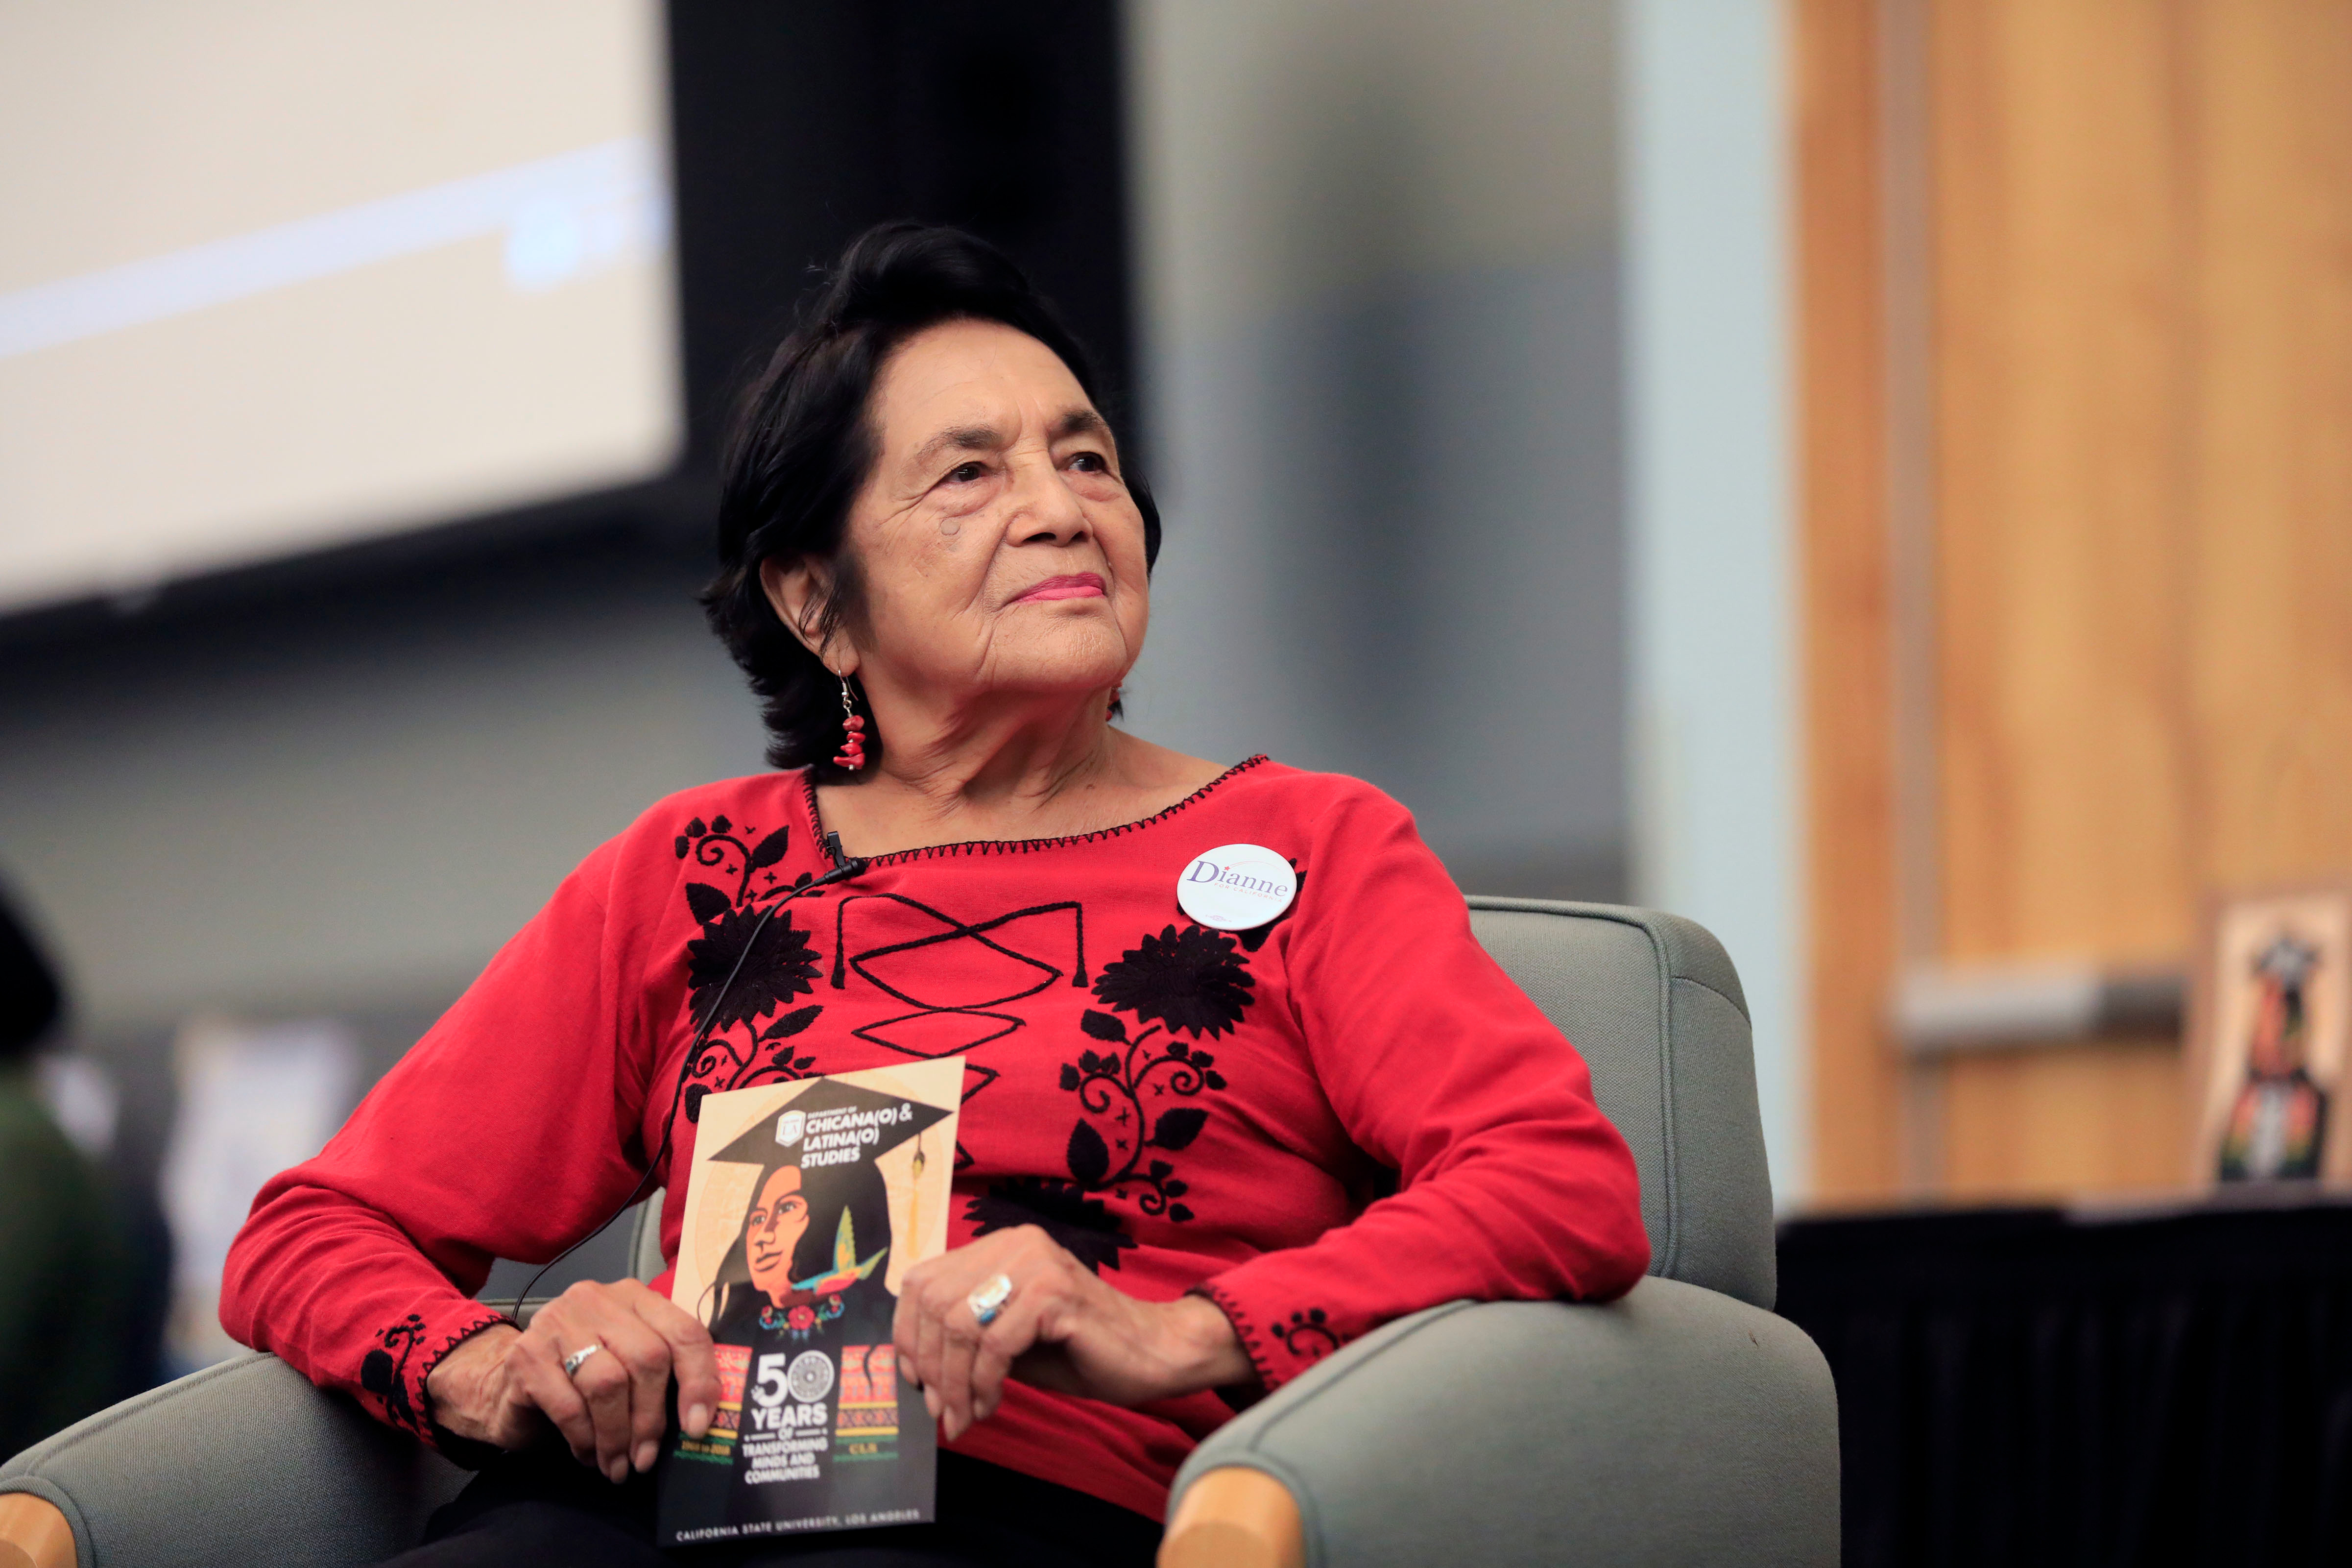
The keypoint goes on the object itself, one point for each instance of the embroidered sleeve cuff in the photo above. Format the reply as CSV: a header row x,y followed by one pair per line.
x,y
392,1374
1281,1338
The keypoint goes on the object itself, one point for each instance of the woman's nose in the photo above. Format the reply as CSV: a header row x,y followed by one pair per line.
x,y
1050,511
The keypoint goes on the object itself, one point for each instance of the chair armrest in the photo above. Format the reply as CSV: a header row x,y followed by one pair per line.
x,y
1674,1426
34,1534
239,1464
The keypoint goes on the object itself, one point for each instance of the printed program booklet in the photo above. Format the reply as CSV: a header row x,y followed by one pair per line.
x,y
807,1204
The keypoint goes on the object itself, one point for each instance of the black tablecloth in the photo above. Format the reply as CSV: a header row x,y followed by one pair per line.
x,y
2028,1386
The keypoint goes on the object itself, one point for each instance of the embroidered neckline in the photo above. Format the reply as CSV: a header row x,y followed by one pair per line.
x,y
1022,845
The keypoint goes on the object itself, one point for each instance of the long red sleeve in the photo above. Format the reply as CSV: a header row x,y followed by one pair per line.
x,y
1184,1108
1511,1185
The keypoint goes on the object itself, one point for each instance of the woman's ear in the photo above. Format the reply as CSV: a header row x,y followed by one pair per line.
x,y
797,595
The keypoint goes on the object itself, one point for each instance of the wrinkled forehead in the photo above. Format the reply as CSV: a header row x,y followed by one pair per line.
x,y
963,379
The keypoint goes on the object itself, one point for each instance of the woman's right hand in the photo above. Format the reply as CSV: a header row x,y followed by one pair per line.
x,y
502,1386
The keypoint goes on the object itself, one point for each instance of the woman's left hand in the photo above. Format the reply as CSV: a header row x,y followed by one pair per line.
x,y
1061,1327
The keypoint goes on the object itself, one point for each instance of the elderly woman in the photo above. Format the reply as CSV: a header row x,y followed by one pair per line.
x,y
1199,1151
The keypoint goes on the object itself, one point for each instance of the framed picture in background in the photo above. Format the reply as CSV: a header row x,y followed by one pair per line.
x,y
2270,1036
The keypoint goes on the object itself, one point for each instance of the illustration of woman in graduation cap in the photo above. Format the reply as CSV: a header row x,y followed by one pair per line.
x,y
805,1287
815,1249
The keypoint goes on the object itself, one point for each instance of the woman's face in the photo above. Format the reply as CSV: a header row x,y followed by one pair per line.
x,y
779,1218
1000,548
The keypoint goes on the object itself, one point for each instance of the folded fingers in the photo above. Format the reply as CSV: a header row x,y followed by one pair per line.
x,y
601,1373
692,1360
538,1370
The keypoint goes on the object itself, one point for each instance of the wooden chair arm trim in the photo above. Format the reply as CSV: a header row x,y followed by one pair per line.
x,y
34,1533
1235,1517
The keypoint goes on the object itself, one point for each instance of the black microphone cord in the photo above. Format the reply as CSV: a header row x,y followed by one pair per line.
x,y
843,871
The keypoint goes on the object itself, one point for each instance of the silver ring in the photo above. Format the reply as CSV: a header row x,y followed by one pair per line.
x,y
989,1300
571,1363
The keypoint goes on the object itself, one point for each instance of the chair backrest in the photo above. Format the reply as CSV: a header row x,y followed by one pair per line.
x,y
1652,1003
646,1261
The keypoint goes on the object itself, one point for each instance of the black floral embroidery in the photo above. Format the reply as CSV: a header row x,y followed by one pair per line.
x,y
1309,1333
1112,1085
716,844
1083,1227
767,1057
778,966
1196,982
387,1378
770,960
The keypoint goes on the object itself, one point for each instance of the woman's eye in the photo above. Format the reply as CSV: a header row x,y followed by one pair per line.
x,y
1090,462
964,473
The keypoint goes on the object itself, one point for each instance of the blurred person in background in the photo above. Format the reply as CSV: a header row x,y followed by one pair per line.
x,y
65,1311
1201,1148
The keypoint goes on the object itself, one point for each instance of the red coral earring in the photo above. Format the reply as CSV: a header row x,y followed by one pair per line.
x,y
853,732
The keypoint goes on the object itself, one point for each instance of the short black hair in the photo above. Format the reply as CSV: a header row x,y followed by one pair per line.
x,y
802,444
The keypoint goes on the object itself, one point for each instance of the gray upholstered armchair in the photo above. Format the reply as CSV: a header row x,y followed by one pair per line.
x,y
1683,1424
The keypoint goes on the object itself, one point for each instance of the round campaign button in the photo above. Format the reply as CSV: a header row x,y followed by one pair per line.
x,y
1236,887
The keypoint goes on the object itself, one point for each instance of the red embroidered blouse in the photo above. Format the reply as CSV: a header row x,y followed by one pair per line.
x,y
1179,1107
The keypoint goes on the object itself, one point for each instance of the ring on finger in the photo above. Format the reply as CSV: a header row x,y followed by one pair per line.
x,y
571,1363
989,1300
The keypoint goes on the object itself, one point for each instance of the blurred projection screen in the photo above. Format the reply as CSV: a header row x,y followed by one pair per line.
x,y
276,277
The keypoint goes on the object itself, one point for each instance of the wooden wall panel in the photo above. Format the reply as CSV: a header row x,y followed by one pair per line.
x,y
2141,262
2144,366
2061,253
2061,511
2100,1118
2269,130
1846,615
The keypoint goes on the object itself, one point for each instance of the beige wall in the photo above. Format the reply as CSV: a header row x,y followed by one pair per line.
x,y
341,805
1379,258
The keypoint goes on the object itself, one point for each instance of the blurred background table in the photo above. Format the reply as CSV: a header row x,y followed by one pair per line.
x,y
2117,1385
